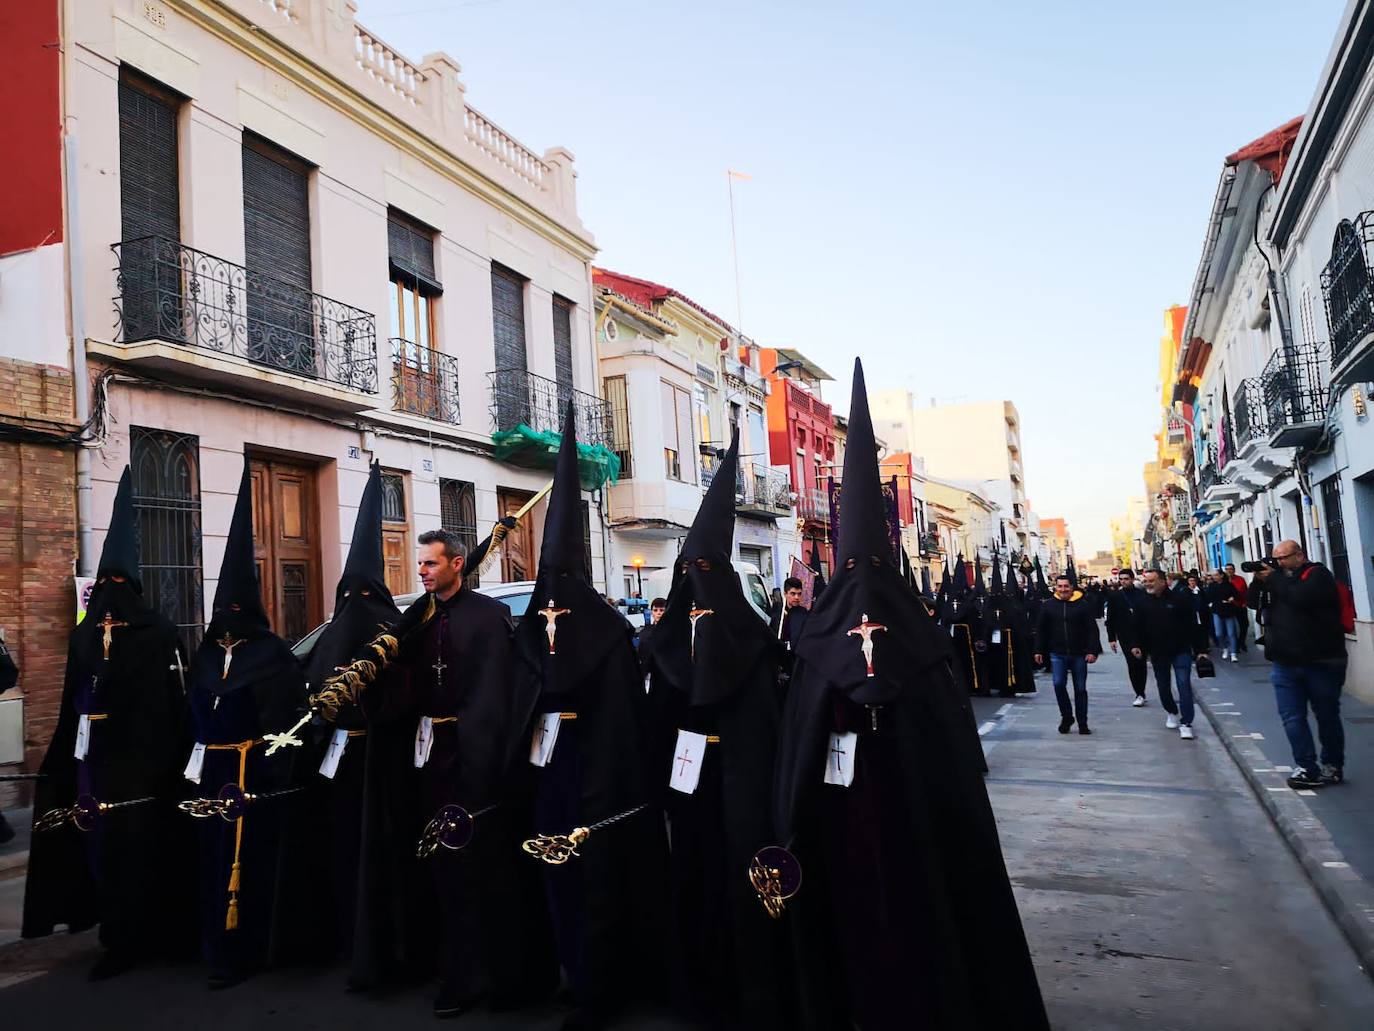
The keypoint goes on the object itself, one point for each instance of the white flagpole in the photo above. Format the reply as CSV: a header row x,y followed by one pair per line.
x,y
734,248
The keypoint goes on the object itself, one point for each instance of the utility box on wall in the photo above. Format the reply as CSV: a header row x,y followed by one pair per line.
x,y
11,730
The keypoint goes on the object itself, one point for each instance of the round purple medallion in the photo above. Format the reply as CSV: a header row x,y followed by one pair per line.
x,y
775,857
87,813
234,802
455,827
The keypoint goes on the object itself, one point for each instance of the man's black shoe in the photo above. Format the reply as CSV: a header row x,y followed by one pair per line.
x,y
1083,729
1305,779
1332,774
453,1001
1066,724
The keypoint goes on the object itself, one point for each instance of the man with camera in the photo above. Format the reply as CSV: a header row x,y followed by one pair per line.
x,y
1304,641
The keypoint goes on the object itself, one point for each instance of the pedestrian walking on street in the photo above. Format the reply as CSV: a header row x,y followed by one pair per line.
x,y
1067,633
1242,613
1168,622
1123,606
1220,595
1304,641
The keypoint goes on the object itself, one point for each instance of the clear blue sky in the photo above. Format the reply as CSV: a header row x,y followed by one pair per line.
x,y
990,200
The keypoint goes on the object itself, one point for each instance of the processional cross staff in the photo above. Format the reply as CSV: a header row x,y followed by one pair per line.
x,y
108,624
865,631
551,614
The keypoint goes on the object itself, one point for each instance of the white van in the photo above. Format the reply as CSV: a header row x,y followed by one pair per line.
x,y
658,583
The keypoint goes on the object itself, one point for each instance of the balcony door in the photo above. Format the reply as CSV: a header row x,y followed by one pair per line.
x,y
149,211
508,331
286,545
276,240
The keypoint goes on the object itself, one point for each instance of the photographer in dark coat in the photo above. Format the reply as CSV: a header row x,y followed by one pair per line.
x,y
1304,641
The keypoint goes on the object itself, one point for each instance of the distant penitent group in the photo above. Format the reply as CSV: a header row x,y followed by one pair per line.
x,y
435,795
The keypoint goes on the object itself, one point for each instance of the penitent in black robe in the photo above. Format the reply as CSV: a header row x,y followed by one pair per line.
x,y
716,676
130,871
906,916
492,931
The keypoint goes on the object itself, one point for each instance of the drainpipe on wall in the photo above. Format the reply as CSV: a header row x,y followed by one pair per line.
x,y
81,380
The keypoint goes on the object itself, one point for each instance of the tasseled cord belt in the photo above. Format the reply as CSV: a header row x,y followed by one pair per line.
x,y
231,916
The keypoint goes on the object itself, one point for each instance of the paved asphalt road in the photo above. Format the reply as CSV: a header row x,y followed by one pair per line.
x,y
1155,894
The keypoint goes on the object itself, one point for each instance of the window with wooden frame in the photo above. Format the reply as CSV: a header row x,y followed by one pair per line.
x,y
618,401
562,346
395,534
414,289
676,410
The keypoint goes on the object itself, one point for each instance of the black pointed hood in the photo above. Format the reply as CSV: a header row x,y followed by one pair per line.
x,y
817,585
586,628
958,584
997,587
119,555
123,602
1014,582
1071,573
363,605
729,636
1041,589
868,598
980,588
926,592
238,616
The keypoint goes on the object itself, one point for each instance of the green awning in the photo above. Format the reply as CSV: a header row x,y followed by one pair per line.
x,y
532,449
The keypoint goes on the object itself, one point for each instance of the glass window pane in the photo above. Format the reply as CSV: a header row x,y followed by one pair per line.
x,y
422,319
396,310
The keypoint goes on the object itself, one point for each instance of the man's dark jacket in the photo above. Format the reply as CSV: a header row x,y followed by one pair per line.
x,y
1067,628
1221,598
1304,615
1123,616
1167,624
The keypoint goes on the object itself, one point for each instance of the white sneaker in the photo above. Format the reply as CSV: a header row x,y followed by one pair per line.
x,y
1171,721
1233,657
1185,732
1225,655
1139,701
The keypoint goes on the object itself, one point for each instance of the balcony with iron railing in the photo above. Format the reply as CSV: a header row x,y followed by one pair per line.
x,y
814,506
763,492
1294,382
424,382
1213,484
1250,419
201,317
1347,284
520,398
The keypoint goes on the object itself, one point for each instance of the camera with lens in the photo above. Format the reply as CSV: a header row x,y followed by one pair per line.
x,y
1255,567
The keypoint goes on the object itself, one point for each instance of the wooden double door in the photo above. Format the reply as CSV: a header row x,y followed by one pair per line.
x,y
286,544
517,553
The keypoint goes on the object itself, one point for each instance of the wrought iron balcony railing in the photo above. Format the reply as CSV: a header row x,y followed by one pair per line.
x,y
520,398
759,488
1348,287
1294,382
166,291
813,505
1207,477
423,381
929,543
1250,419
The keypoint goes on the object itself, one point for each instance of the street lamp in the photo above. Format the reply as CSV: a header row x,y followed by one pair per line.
x,y
638,563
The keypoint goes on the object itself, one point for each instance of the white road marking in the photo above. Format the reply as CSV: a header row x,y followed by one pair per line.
x,y
1262,769
986,727
1282,769
1336,865
1004,710
1306,792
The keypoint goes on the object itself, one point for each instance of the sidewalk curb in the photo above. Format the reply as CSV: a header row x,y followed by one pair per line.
x,y
1348,897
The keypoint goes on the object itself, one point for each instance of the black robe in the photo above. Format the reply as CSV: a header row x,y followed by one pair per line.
x,y
1007,665
967,639
490,923
130,872
370,799
264,692
730,965
607,903
906,916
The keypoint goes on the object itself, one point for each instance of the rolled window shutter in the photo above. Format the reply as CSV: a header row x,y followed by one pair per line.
x,y
149,199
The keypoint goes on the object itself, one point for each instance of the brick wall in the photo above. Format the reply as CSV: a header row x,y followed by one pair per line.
x,y
38,539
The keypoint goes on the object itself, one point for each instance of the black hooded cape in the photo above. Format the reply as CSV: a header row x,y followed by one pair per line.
x,y
129,871
246,683
714,669
906,916
575,656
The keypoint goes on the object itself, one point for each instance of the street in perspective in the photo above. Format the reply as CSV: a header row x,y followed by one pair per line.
x,y
517,516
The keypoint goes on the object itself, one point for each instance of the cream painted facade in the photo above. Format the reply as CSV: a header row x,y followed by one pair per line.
x,y
979,442
970,527
677,346
377,133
